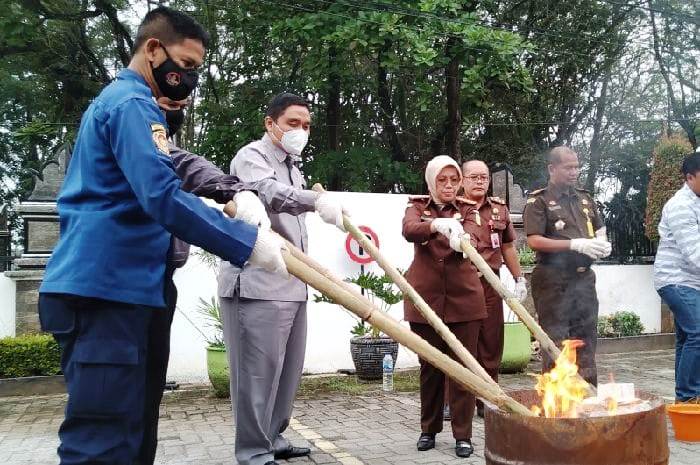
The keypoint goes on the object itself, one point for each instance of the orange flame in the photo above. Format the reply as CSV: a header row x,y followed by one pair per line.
x,y
561,390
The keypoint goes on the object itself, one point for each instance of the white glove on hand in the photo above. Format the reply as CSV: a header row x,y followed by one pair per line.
x,y
607,246
331,211
267,253
594,248
447,227
521,289
250,209
456,241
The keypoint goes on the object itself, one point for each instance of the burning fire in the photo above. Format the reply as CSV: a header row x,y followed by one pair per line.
x,y
561,390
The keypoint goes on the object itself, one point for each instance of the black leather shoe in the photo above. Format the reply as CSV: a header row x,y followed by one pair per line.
x,y
426,441
292,452
464,448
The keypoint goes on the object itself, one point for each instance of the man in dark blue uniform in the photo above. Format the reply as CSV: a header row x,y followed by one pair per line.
x,y
203,179
118,207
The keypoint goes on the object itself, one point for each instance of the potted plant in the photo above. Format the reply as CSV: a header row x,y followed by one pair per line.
x,y
369,346
517,348
217,360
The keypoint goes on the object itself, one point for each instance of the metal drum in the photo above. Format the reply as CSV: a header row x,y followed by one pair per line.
x,y
630,439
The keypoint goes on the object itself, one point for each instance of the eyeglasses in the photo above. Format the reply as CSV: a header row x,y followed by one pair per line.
x,y
478,177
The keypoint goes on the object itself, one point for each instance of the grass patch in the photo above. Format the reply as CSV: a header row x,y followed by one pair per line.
x,y
314,386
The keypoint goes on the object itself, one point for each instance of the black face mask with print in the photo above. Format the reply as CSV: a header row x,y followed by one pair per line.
x,y
174,81
175,119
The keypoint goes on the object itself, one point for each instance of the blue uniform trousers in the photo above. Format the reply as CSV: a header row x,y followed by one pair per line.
x,y
104,353
156,369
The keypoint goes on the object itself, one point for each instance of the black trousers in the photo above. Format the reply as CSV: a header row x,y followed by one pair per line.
x,y
567,308
156,370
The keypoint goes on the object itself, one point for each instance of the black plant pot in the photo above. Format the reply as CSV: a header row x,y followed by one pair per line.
x,y
368,354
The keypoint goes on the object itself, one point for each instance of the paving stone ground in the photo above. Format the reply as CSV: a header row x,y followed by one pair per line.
x,y
374,429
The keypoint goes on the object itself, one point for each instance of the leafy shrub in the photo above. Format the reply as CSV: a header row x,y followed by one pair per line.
x,y
379,290
29,355
620,324
526,256
666,179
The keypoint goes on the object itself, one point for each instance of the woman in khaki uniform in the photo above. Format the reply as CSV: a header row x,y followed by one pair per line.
x,y
450,285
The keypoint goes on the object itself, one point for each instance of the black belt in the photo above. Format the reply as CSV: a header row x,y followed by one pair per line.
x,y
567,261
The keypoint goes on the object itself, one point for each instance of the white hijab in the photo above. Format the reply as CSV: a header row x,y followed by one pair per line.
x,y
434,167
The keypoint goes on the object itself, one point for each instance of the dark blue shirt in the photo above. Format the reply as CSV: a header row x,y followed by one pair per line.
x,y
121,200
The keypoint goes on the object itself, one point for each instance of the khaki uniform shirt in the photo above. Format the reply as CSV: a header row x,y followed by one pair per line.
x,y
448,282
490,228
562,212
281,188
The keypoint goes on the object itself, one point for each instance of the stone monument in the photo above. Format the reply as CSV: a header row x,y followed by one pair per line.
x,y
41,231
503,186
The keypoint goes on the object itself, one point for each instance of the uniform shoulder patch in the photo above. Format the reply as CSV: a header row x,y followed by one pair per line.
x,y
537,191
497,200
581,189
160,138
466,200
422,200
531,200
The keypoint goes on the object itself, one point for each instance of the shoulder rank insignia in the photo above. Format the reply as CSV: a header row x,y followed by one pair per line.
x,y
160,138
497,200
466,200
531,200
418,197
537,191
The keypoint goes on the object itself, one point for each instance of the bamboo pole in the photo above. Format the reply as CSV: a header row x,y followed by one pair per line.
x,y
365,310
428,313
545,341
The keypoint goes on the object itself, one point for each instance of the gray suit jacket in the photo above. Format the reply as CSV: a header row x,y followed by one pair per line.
x,y
281,188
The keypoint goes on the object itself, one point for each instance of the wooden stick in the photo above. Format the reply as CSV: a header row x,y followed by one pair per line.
x,y
365,310
546,342
428,313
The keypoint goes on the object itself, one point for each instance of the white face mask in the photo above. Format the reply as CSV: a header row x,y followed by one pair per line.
x,y
294,140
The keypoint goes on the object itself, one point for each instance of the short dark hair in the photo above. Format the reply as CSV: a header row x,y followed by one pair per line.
x,y
691,164
169,26
554,154
281,102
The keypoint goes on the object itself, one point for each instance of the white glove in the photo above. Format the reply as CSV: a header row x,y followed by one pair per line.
x,y
520,289
594,248
607,246
456,241
447,227
331,211
250,209
267,253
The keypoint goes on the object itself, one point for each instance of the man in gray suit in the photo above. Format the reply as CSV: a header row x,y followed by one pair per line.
x,y
264,314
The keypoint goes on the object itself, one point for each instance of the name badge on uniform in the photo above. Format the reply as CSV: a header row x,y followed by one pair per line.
x,y
559,225
495,240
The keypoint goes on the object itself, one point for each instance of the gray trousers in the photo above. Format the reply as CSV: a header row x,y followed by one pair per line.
x,y
266,341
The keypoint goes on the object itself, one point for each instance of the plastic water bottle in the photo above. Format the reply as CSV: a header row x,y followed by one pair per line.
x,y
388,369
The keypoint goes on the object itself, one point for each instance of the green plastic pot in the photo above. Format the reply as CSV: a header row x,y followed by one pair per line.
x,y
218,370
516,347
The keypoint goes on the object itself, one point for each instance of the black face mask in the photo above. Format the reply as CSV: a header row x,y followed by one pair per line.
x,y
174,81
174,118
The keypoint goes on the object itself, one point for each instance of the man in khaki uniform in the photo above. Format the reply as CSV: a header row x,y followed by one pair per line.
x,y
565,229
493,232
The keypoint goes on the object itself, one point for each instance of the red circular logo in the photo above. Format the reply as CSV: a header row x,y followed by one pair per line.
x,y
173,79
354,249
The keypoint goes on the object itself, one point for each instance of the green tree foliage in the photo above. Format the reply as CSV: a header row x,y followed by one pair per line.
x,y
666,178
